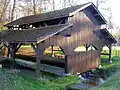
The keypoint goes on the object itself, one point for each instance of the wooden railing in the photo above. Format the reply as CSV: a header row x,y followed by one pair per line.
x,y
83,61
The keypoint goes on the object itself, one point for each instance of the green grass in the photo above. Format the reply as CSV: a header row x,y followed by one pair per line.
x,y
21,83
108,69
111,71
15,82
112,83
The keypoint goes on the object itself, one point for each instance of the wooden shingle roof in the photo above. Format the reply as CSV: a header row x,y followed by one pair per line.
x,y
31,35
66,12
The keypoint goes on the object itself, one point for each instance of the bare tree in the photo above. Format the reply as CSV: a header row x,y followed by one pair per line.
x,y
68,3
31,7
13,9
3,7
34,7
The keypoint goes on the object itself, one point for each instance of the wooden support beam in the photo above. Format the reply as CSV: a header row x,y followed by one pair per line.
x,y
104,53
13,46
66,62
39,53
110,52
38,57
60,22
62,50
87,46
18,47
95,47
33,46
66,65
13,52
52,49
45,24
56,50
5,45
8,54
37,61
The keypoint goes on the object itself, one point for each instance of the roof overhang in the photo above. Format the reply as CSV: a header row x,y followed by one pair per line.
x,y
63,13
40,39
78,10
36,35
108,35
95,12
105,36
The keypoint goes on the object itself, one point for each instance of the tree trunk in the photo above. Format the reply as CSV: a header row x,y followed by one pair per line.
x,y
34,7
13,9
4,8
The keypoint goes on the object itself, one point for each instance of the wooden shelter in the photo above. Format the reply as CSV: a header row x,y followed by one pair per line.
x,y
68,28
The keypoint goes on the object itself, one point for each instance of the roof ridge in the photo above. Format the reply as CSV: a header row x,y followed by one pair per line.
x,y
61,13
70,7
44,16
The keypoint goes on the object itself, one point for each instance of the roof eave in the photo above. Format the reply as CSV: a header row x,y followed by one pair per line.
x,y
85,6
9,24
114,40
105,22
44,38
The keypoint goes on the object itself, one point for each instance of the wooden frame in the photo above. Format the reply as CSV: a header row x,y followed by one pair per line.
x,y
84,23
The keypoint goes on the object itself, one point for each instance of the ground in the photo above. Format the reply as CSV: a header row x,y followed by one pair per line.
x,y
112,71
23,79
10,79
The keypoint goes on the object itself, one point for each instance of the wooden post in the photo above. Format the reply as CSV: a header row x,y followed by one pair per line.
x,y
66,64
33,46
37,61
8,54
39,53
18,47
52,50
87,46
95,47
13,53
14,50
110,52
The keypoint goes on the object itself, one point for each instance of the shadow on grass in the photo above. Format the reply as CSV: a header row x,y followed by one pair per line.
x,y
113,73
108,69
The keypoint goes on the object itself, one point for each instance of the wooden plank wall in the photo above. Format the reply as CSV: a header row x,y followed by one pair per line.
x,y
83,29
81,33
83,61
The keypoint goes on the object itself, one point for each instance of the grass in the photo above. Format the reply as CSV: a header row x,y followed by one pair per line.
x,y
108,70
22,83
112,72
12,81
112,83
16,82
